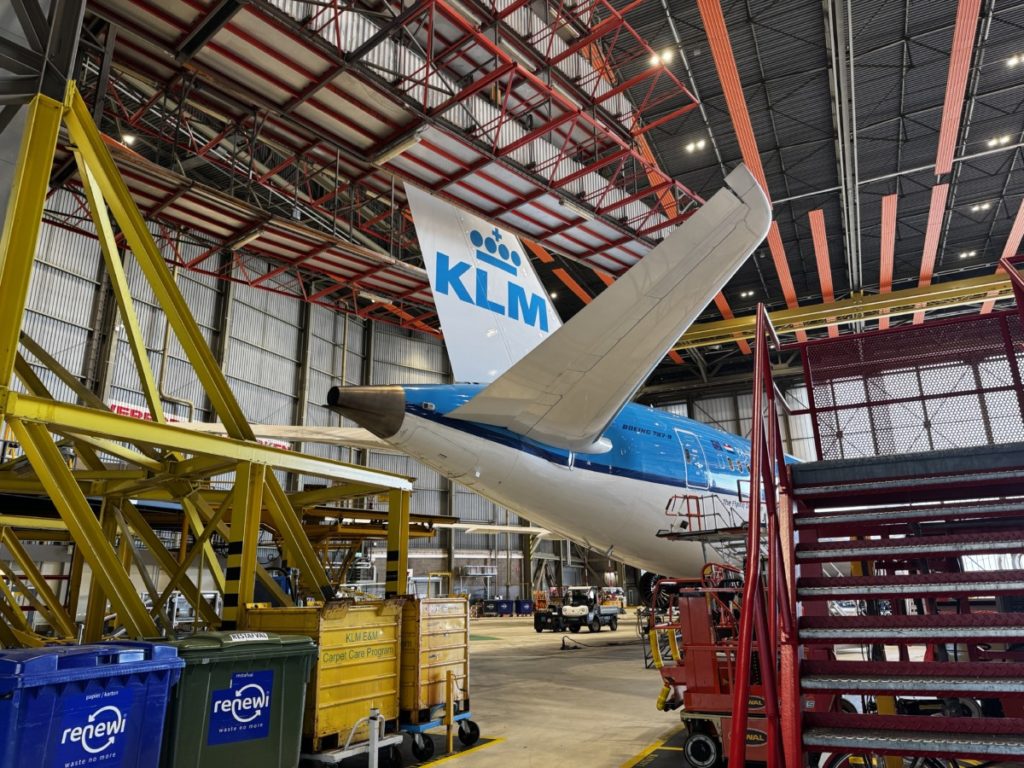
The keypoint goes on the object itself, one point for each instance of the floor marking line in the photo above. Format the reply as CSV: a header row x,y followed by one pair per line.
x,y
636,759
477,748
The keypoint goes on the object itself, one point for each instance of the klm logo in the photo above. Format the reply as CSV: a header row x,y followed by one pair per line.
x,y
475,286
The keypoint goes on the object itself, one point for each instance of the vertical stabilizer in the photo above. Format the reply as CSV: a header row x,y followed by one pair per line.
x,y
492,306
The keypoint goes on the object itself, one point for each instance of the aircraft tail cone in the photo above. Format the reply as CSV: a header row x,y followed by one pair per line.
x,y
380,410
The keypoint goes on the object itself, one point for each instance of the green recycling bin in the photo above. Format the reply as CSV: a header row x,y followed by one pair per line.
x,y
239,701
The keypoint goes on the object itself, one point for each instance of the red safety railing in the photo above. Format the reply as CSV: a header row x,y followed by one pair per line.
x,y
768,614
1008,265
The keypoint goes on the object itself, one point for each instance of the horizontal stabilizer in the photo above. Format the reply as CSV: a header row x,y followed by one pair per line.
x,y
568,389
350,437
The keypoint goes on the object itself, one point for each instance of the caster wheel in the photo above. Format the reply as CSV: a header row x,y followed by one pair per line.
x,y
422,747
391,757
469,732
702,751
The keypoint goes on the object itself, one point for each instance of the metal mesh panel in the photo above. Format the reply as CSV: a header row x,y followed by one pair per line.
x,y
951,384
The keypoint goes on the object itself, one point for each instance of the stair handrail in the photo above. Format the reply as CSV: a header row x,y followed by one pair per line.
x,y
768,607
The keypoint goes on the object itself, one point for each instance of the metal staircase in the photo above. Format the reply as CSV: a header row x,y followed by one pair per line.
x,y
912,552
926,635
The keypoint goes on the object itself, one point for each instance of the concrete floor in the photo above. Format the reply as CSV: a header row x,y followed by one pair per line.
x,y
593,706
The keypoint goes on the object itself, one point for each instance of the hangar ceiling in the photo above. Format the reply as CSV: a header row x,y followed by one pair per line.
x,y
888,134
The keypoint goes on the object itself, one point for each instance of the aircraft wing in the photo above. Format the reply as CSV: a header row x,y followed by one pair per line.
x,y
568,389
351,437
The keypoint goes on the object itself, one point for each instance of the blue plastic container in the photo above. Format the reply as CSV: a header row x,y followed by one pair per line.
x,y
505,607
524,607
85,705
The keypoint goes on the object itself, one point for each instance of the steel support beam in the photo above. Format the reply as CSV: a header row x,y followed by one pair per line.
x,y
23,221
119,284
398,544
87,421
300,551
250,480
959,293
45,600
74,509
168,565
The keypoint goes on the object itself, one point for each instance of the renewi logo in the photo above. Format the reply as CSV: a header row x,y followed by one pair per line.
x,y
246,705
481,286
100,731
242,711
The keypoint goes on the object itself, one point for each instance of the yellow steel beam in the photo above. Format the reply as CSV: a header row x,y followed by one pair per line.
x,y
128,542
196,509
82,392
119,284
85,395
261,573
32,599
957,293
11,610
74,509
395,577
168,563
122,452
297,544
331,493
96,602
88,421
96,157
35,386
23,219
179,574
199,467
59,619
32,523
29,377
74,582
250,481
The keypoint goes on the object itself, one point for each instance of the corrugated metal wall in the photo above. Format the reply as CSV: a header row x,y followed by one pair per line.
x,y
60,301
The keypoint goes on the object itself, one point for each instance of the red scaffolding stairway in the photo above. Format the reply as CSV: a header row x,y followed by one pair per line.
x,y
913,548
929,547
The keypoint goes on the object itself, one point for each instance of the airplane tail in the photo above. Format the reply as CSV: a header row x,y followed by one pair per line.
x,y
492,306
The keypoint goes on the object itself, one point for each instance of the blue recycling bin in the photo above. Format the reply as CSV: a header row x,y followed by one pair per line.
x,y
524,607
85,705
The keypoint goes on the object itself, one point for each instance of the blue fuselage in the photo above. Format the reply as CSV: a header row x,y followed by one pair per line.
x,y
647,444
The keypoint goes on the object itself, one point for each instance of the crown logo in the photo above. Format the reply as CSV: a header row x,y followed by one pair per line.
x,y
491,250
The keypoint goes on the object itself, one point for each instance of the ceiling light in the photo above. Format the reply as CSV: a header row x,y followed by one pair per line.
x,y
577,209
746,294
554,294
968,254
986,206
655,60
1013,61
398,146
128,139
666,55
1004,139
244,240
701,144
691,146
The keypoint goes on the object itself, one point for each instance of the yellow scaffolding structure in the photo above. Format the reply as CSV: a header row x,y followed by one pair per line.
x,y
160,461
